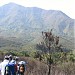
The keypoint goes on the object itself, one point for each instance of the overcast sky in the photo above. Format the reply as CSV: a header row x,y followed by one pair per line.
x,y
66,6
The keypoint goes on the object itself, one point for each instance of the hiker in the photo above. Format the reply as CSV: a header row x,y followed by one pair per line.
x,y
3,64
21,67
13,65
16,63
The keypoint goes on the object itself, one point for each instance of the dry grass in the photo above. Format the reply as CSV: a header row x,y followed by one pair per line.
x,y
35,67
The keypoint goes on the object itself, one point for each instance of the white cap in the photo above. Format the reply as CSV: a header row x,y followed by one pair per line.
x,y
22,62
6,57
17,57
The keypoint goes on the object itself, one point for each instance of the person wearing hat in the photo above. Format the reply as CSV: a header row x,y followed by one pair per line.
x,y
3,64
21,67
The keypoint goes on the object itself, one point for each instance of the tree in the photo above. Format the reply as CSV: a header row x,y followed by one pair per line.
x,y
51,44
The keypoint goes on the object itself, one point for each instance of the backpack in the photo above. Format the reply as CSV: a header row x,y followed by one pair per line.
x,y
10,69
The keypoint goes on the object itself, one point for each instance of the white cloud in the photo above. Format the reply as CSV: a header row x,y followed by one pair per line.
x,y
67,6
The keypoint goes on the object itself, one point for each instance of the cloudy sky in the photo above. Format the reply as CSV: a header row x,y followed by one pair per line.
x,y
66,6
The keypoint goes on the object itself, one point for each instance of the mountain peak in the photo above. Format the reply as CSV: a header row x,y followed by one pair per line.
x,y
32,17
11,3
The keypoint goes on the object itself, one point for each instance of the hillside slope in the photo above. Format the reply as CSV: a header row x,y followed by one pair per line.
x,y
25,24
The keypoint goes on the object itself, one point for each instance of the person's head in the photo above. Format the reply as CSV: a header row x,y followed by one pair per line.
x,y
10,57
16,58
6,57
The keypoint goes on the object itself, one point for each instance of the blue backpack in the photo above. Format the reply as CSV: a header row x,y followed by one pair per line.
x,y
10,69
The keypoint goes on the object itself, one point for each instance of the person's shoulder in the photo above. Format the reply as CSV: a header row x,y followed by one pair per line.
x,y
12,61
5,61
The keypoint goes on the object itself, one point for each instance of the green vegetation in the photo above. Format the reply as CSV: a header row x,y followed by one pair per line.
x,y
49,52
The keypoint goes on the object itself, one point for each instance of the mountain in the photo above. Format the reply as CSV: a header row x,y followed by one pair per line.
x,y
25,24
